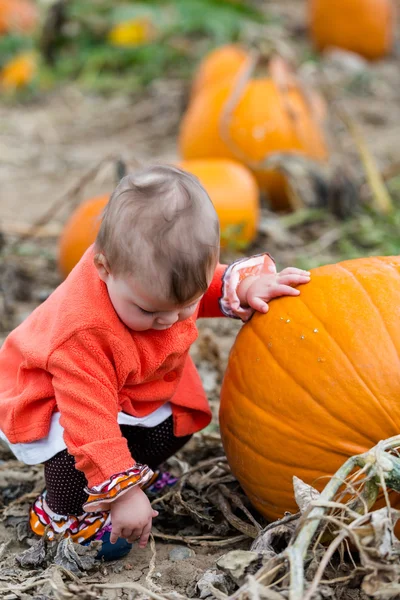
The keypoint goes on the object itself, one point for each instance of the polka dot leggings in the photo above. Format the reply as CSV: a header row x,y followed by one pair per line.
x,y
149,446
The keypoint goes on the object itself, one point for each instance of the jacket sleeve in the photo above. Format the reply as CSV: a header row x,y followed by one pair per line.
x,y
221,299
86,387
210,302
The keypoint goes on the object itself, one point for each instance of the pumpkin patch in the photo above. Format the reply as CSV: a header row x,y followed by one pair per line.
x,y
314,381
297,147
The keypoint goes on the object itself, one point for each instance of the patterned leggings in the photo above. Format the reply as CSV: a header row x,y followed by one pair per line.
x,y
148,445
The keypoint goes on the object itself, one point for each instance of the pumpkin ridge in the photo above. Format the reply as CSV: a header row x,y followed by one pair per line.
x,y
377,311
384,325
318,445
319,404
267,459
358,375
258,481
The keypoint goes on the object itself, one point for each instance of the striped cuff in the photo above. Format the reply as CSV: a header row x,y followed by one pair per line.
x,y
233,276
103,494
80,528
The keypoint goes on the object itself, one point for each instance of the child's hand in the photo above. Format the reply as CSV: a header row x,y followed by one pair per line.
x,y
256,291
131,517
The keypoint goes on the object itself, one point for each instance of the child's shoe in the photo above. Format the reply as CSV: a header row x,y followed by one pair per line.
x,y
109,551
121,548
158,483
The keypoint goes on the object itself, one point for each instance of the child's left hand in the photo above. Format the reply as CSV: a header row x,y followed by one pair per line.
x,y
257,290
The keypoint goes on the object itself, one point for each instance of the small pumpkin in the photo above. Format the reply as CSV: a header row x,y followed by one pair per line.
x,y
362,26
220,65
80,232
314,381
18,72
235,195
19,16
134,32
270,114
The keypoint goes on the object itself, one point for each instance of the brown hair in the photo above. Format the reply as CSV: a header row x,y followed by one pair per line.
x,y
161,224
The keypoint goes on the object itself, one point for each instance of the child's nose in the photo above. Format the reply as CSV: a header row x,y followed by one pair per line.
x,y
168,319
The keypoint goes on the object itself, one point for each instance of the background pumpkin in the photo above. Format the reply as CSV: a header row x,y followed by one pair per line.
x,y
235,195
314,381
231,187
80,232
19,71
18,16
134,32
264,121
362,26
219,66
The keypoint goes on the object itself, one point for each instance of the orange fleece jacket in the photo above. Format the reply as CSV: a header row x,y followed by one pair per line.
x,y
75,356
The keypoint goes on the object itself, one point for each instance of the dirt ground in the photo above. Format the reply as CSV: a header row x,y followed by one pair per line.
x,y
49,146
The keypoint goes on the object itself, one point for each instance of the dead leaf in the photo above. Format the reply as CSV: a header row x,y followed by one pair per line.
x,y
380,530
238,563
304,494
275,537
212,579
35,556
76,558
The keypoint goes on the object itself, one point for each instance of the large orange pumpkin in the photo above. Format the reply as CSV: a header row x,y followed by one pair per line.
x,y
314,381
266,119
80,232
235,195
219,66
19,16
362,26
231,187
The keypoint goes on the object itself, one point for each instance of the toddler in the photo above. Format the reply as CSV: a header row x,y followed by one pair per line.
x,y
97,382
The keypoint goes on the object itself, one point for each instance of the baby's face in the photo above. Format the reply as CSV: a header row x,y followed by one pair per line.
x,y
141,310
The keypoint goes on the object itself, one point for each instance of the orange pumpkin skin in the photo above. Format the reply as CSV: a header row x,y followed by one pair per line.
x,y
263,122
80,232
219,66
234,192
314,381
362,26
18,16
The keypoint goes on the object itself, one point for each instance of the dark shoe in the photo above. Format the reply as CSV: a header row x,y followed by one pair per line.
x,y
109,551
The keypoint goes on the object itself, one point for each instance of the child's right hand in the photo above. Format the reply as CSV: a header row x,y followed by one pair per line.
x,y
131,517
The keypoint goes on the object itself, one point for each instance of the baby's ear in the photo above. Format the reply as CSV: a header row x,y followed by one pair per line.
x,y
102,266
